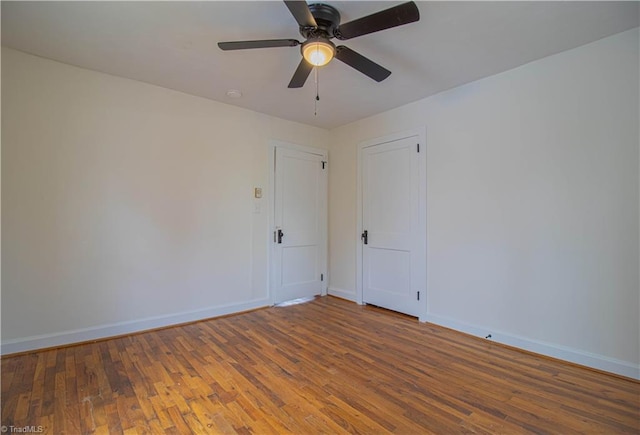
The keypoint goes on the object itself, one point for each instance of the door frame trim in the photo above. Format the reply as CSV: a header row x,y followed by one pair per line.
x,y
421,133
270,194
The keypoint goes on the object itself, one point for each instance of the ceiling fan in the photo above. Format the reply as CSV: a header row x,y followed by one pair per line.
x,y
319,23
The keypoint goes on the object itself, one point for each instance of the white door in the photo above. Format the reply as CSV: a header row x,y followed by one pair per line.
x,y
394,227
299,235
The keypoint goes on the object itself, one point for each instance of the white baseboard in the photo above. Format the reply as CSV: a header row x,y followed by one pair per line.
x,y
104,331
111,330
342,294
587,359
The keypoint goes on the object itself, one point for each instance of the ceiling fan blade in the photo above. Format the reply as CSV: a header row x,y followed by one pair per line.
x,y
300,11
265,43
301,74
396,16
361,63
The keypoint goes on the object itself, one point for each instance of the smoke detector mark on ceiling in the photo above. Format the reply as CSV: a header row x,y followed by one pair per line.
x,y
234,93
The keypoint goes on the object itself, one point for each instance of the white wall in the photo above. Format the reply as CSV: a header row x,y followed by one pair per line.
x,y
125,205
533,204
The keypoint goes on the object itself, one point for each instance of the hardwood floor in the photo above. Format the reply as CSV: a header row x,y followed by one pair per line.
x,y
327,366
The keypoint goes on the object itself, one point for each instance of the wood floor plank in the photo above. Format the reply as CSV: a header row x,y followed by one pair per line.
x,y
327,366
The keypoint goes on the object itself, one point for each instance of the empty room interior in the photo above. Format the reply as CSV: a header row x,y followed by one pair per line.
x,y
320,217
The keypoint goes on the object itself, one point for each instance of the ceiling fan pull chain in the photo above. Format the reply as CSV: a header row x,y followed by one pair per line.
x,y
315,109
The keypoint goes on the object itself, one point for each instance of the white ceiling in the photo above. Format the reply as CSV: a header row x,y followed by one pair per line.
x,y
173,44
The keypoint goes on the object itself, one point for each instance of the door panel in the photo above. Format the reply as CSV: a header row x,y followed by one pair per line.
x,y
391,265
301,264
300,213
392,271
389,190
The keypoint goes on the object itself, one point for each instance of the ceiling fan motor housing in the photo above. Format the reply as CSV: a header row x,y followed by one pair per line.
x,y
327,18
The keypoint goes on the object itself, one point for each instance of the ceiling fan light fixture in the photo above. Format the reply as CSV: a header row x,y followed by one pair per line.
x,y
318,51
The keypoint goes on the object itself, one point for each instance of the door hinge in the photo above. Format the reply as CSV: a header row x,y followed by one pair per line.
x,y
418,295
323,163
322,277
418,147
365,237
